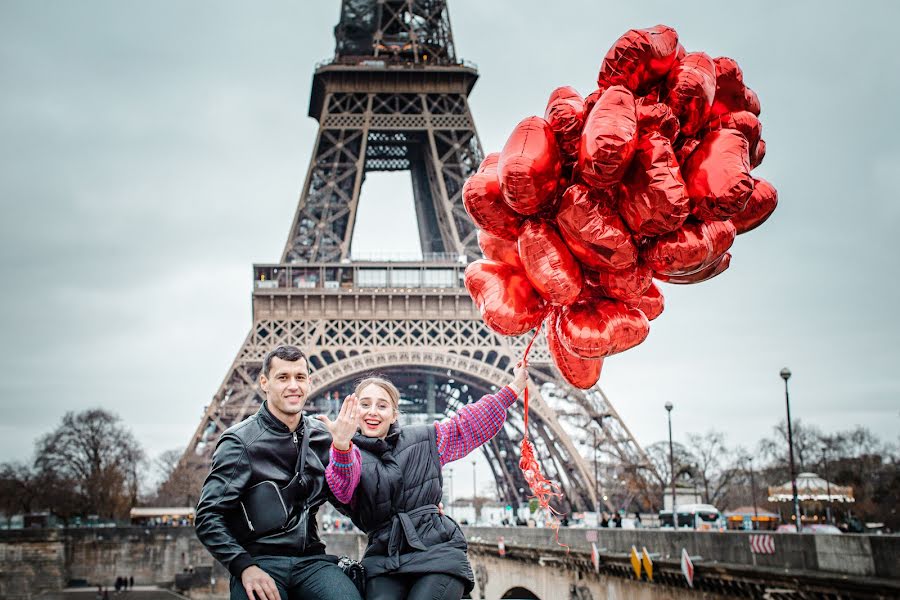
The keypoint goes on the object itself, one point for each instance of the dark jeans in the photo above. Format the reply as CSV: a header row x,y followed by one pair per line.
x,y
433,586
304,578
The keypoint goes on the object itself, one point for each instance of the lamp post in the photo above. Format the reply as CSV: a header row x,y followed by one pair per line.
x,y
450,498
672,466
596,474
827,480
786,374
753,492
474,495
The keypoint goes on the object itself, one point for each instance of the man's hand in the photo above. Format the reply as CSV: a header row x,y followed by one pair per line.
x,y
258,584
520,377
343,428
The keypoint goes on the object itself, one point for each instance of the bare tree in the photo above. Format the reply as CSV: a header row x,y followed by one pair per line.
x,y
98,457
715,465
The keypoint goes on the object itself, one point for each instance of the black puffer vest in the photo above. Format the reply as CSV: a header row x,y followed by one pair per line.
x,y
396,505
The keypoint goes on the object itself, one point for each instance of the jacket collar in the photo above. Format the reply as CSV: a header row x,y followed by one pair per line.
x,y
379,446
273,422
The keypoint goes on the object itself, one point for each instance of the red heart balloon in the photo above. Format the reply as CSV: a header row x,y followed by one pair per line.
x,y
498,249
639,58
583,373
565,114
608,139
530,167
593,230
758,154
601,328
626,285
731,93
717,175
484,203
691,88
744,121
705,274
655,199
651,303
508,303
656,116
759,207
490,163
550,266
689,249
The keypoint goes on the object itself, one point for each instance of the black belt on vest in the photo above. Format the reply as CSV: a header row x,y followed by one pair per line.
x,y
402,527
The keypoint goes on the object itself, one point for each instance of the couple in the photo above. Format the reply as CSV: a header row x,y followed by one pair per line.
x,y
386,478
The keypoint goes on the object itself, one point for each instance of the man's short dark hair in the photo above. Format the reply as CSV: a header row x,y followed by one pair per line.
x,y
288,353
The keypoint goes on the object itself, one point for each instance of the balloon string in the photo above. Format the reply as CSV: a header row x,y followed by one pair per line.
x,y
524,358
542,488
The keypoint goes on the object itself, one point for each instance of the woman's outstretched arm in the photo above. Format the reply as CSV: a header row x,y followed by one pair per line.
x,y
344,466
476,423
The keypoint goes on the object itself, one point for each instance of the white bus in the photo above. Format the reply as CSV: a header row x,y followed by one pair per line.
x,y
702,517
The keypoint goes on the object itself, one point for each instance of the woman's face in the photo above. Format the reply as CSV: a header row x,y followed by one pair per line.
x,y
376,412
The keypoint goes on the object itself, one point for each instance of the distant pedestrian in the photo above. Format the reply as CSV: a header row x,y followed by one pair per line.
x,y
617,520
118,584
637,520
604,520
130,582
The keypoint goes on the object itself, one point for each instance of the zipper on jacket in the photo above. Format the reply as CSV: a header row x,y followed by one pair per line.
x,y
246,516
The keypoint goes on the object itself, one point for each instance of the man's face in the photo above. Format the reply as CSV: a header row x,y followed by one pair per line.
x,y
286,386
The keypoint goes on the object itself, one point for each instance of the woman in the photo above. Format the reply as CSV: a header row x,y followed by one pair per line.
x,y
390,480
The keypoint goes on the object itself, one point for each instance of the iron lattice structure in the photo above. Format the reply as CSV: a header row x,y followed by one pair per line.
x,y
410,321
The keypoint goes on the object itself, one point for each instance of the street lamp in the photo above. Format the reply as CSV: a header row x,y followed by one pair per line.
x,y
786,374
450,495
672,465
753,492
596,474
474,496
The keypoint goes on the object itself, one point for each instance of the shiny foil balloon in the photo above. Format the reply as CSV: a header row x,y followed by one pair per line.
x,y
490,162
593,230
684,148
498,249
484,203
591,99
530,167
506,299
608,139
705,274
717,175
758,154
565,113
691,248
744,121
651,303
583,373
731,93
759,207
601,328
658,117
627,285
691,88
679,252
639,58
655,199
550,267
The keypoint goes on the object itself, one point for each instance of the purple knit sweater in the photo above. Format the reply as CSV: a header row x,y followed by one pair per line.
x,y
469,428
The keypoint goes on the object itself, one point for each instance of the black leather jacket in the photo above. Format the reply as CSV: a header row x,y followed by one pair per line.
x,y
262,448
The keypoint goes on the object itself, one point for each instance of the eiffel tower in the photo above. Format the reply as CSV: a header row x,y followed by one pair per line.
x,y
395,98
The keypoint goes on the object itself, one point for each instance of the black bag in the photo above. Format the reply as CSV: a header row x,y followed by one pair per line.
x,y
354,570
266,507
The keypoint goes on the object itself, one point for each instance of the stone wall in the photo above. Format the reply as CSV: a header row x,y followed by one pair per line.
x,y
38,560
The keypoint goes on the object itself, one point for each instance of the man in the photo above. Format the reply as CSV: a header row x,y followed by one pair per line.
x,y
267,446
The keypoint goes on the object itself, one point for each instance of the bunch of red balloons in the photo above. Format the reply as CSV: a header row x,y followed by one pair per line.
x,y
648,177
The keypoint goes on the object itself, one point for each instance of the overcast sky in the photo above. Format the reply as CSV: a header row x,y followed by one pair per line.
x,y
150,152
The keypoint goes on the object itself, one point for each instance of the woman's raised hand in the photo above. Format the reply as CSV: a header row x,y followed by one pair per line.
x,y
520,376
346,424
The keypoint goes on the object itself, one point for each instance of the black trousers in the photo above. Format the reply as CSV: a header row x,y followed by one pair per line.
x,y
431,586
304,578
